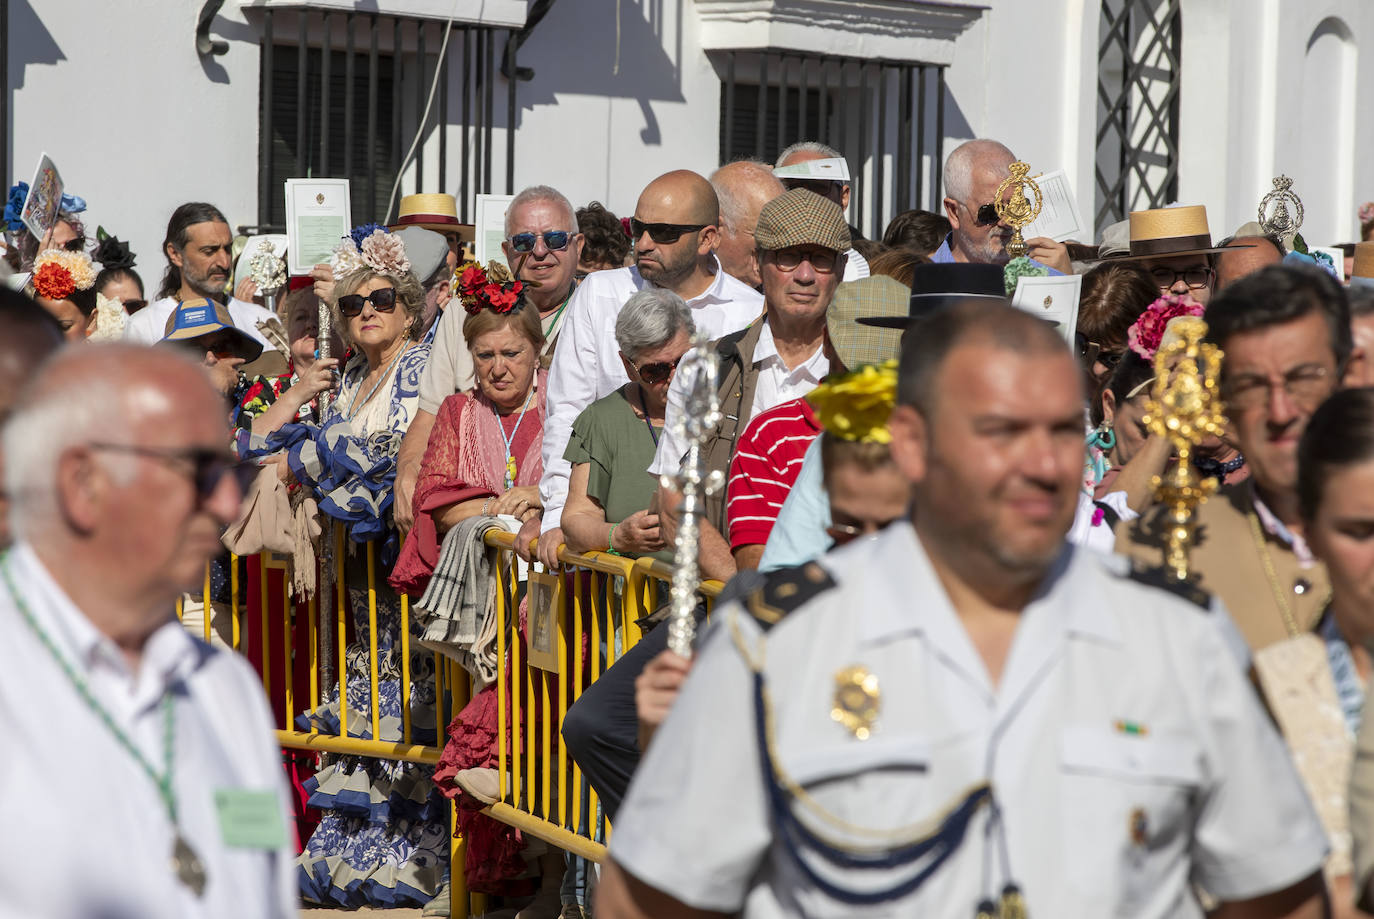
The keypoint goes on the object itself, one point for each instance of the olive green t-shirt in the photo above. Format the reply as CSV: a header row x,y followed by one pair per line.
x,y
618,449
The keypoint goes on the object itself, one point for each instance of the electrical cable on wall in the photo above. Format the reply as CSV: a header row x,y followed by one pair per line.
x,y
424,119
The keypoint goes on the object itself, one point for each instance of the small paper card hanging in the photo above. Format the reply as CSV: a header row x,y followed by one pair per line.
x,y
491,228
546,627
44,199
1054,299
318,215
1058,218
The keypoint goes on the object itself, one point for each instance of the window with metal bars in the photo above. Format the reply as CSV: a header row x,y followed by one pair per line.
x,y
887,118
295,155
1140,43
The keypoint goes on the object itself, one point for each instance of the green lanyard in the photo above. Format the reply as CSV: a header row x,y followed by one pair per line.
x,y
163,780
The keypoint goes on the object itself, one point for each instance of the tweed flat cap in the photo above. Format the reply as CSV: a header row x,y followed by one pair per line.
x,y
801,218
856,345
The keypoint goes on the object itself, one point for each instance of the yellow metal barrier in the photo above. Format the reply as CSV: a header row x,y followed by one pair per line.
x,y
591,622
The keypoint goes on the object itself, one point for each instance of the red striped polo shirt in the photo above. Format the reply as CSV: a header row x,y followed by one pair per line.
x,y
767,460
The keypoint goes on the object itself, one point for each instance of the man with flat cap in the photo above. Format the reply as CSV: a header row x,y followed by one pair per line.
x,y
799,534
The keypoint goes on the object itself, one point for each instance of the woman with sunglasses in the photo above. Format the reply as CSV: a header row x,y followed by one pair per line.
x,y
361,855
614,439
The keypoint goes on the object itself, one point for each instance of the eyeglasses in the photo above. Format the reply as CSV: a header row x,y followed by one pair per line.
x,y
1307,384
1194,277
1092,352
822,260
208,467
663,233
383,301
986,215
554,240
659,372
842,533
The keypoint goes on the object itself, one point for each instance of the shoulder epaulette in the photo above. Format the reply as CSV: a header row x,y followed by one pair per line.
x,y
1156,576
785,590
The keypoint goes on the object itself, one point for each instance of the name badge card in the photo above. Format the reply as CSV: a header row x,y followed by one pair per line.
x,y
250,818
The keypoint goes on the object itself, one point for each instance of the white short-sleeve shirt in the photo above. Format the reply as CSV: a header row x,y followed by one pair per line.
x,y
85,830
1128,752
586,365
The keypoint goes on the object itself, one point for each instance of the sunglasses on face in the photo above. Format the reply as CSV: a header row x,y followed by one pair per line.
x,y
207,467
842,533
383,301
986,215
663,233
658,372
554,240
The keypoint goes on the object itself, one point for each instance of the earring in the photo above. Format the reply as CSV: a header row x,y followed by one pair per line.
x,y
1103,437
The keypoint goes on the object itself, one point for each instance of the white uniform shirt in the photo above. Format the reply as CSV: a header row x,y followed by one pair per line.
x,y
1101,819
586,364
86,833
775,385
149,325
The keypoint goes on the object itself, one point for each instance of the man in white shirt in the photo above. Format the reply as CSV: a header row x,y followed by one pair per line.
x,y
963,710
199,249
675,236
140,775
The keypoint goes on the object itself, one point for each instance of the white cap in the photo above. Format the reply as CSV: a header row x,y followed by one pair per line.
x,y
830,169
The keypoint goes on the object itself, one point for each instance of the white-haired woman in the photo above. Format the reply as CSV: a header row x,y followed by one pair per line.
x,y
393,852
614,439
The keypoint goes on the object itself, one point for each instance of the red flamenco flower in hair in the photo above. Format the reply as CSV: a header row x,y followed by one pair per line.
x,y
471,280
53,282
1145,334
502,298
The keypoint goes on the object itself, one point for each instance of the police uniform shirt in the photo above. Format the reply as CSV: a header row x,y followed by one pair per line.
x,y
1128,753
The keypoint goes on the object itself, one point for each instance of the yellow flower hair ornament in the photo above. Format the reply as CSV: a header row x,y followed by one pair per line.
x,y
857,406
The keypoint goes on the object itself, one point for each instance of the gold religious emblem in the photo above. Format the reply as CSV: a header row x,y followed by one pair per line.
x,y
1049,301
319,199
856,701
1184,407
1016,209
1281,223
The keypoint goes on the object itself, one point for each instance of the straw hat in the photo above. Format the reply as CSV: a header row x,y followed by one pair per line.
x,y
1362,271
1169,231
437,212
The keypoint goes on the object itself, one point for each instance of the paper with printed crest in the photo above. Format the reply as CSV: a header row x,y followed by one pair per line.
x,y
1054,299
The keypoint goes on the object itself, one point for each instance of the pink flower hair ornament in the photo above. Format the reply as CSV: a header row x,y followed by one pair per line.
x,y
1147,332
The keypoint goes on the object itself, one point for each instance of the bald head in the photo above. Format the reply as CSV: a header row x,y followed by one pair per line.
x,y
680,196
1245,255
742,188
972,159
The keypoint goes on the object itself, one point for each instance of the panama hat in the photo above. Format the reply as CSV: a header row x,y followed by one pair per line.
x,y
199,317
437,212
1166,232
935,287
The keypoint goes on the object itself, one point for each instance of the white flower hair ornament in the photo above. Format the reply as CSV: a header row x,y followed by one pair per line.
x,y
379,250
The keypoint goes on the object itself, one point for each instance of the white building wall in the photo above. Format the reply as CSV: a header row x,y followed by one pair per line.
x,y
138,123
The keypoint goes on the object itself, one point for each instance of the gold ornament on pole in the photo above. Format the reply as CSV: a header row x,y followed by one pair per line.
x,y
1017,210
1184,406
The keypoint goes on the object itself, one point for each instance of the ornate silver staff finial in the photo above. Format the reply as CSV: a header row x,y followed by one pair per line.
x,y
322,337
700,415
1281,223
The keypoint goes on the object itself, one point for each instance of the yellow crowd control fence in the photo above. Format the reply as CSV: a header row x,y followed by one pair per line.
x,y
556,634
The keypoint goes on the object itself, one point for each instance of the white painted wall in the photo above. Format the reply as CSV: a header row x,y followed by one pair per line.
x,y
116,94
138,124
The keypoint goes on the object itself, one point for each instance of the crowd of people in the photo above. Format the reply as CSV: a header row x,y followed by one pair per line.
x,y
947,674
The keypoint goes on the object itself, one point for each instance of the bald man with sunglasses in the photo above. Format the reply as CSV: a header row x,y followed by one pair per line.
x,y
972,175
675,234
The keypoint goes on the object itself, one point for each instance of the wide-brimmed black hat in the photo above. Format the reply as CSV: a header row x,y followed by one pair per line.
x,y
939,286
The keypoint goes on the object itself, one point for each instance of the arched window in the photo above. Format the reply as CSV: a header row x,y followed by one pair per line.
x,y
1138,72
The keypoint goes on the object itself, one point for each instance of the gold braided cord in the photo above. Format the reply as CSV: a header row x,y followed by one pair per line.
x,y
1279,596
884,840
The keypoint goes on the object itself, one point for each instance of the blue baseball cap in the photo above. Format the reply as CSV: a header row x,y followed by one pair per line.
x,y
201,317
